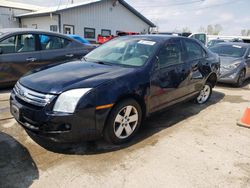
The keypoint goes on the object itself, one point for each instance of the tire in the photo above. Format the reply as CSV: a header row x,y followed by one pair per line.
x,y
241,78
205,93
120,128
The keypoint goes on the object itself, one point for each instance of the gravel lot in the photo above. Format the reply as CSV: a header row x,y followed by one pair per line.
x,y
186,146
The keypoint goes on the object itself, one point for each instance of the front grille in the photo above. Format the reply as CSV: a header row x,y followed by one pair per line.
x,y
32,97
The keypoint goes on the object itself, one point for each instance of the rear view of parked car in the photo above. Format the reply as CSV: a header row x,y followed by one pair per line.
x,y
213,42
23,50
235,62
80,39
114,88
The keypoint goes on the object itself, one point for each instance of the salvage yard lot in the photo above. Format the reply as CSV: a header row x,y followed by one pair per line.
x,y
188,145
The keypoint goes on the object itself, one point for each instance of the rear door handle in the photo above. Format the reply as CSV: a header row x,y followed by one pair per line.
x,y
31,59
69,55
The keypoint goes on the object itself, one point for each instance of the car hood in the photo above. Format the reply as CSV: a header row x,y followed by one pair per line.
x,y
228,60
72,75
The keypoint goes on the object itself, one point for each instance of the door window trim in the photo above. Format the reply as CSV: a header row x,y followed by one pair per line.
x,y
50,35
164,45
18,34
200,46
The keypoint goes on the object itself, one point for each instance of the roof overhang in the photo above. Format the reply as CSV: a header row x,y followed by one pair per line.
x,y
53,10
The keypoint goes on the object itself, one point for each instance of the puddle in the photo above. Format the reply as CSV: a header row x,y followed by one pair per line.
x,y
234,99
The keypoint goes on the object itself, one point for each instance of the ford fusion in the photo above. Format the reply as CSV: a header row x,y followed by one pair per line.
x,y
113,88
235,62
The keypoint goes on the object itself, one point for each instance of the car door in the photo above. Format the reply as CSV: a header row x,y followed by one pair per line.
x,y
169,80
197,62
55,50
18,53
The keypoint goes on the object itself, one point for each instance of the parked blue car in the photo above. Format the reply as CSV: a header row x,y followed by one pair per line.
x,y
79,38
113,88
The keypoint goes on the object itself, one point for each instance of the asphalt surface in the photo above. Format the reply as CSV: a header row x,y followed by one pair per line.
x,y
188,145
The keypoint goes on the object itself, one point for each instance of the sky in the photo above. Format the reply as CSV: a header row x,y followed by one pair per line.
x,y
174,15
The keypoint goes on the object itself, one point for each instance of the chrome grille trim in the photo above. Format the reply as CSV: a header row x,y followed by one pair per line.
x,y
32,97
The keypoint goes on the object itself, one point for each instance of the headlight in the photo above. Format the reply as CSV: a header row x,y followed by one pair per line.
x,y
233,66
68,100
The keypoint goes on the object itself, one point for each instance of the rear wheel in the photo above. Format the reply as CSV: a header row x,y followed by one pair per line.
x,y
123,122
241,78
205,94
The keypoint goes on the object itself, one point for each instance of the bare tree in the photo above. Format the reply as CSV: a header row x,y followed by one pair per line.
x,y
210,30
217,29
245,32
202,29
248,32
186,30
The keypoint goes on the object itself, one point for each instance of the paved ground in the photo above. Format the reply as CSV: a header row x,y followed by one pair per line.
x,y
186,146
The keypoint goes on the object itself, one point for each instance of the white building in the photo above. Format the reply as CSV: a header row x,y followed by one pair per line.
x,y
8,11
88,19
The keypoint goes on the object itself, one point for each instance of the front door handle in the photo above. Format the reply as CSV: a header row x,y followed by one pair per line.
x,y
195,66
31,59
69,55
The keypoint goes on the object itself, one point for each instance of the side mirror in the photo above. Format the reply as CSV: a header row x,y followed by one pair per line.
x,y
248,57
1,51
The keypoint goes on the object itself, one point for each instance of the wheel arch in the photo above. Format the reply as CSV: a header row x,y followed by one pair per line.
x,y
135,97
212,78
139,99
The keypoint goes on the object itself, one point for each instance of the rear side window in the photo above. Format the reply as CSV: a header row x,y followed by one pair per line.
x,y
194,50
18,44
8,45
49,42
170,54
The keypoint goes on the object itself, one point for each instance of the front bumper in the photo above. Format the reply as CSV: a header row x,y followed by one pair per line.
x,y
229,76
57,127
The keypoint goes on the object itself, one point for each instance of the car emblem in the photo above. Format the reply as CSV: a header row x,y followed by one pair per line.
x,y
21,93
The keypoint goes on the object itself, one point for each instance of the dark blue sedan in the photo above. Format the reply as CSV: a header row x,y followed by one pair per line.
x,y
114,88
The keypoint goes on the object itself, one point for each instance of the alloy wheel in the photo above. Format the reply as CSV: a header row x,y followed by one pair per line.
x,y
204,94
126,122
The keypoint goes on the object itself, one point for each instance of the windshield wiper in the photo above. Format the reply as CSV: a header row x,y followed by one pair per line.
x,y
103,63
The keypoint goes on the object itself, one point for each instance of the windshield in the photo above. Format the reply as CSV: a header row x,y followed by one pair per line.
x,y
229,50
124,51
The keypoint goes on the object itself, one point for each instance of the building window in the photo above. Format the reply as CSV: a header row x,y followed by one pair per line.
x,y
106,32
34,26
89,33
68,29
53,28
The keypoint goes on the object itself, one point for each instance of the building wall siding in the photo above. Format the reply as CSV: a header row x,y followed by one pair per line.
x,y
103,15
43,22
6,17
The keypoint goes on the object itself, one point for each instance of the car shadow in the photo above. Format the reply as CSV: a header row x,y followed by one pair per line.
x,y
231,86
17,168
152,125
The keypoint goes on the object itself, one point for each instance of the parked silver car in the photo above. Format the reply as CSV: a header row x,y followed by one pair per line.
x,y
235,62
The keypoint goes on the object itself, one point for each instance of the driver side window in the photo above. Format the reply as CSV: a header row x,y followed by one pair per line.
x,y
170,54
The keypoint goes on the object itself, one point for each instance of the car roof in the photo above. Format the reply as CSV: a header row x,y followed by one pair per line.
x,y
157,37
242,44
7,31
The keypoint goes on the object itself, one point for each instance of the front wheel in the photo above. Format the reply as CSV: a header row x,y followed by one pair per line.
x,y
205,94
241,78
123,122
